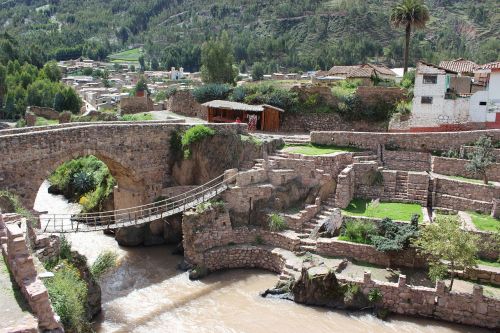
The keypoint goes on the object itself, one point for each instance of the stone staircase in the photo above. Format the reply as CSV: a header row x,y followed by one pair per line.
x,y
401,190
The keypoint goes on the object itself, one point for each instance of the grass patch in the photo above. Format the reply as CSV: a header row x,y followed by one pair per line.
x,y
251,139
488,263
126,56
194,134
392,210
40,121
469,180
358,232
105,261
136,117
485,222
276,222
313,149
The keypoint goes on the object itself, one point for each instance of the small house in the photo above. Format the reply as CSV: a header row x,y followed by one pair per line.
x,y
258,117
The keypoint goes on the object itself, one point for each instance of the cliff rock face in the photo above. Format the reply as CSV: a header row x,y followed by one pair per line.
x,y
211,156
93,304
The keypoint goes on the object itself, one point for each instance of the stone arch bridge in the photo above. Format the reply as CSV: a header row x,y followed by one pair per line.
x,y
137,154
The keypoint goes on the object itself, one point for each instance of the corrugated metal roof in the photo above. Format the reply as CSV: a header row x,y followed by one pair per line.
x,y
229,105
459,65
220,104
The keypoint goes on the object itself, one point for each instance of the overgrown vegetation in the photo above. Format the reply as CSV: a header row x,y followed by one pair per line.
x,y
394,236
449,248
85,180
276,222
14,205
211,204
481,158
136,117
105,261
68,290
194,134
358,232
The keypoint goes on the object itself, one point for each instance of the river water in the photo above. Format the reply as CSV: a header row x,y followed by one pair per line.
x,y
146,293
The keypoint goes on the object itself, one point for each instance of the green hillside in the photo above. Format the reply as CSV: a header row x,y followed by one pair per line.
x,y
292,34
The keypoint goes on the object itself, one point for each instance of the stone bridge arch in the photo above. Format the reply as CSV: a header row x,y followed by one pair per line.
x,y
130,188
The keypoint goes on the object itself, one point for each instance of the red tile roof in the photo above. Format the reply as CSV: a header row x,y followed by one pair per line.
x,y
491,65
360,71
459,65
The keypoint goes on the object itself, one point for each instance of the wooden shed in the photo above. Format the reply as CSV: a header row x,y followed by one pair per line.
x,y
259,117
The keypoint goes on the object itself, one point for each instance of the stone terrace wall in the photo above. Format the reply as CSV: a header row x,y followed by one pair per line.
x,y
458,195
457,167
136,104
137,154
371,95
20,262
368,253
47,113
405,141
406,160
345,187
470,309
243,256
183,103
306,122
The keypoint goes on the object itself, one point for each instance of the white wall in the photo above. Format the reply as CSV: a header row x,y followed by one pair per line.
x,y
478,112
494,87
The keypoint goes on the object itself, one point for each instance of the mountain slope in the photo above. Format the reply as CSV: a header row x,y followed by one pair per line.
x,y
300,34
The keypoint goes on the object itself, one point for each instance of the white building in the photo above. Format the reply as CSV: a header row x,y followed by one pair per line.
x,y
176,74
444,100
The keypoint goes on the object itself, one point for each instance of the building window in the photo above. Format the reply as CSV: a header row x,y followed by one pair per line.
x,y
430,79
426,100
482,103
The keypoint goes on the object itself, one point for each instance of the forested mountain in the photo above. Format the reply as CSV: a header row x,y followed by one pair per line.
x,y
284,34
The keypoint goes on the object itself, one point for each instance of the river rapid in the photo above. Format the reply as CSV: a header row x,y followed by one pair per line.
x,y
146,293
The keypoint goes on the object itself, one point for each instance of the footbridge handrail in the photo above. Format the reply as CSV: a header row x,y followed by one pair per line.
x,y
85,222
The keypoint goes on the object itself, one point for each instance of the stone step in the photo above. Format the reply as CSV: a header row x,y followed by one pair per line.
x,y
308,248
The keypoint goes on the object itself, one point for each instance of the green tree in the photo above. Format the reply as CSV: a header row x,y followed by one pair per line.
x,y
3,84
142,63
51,71
408,14
258,71
59,102
217,61
72,101
481,158
448,247
154,64
141,85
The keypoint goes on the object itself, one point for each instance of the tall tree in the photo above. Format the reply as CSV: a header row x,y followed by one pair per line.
x,y
408,14
481,158
217,61
449,248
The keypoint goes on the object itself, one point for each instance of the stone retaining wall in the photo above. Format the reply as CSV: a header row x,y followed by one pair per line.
x,y
481,275
20,262
403,141
307,122
368,253
47,113
459,195
243,256
464,308
136,104
457,167
466,150
183,103
345,188
406,160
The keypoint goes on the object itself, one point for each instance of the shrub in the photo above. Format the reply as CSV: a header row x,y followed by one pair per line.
x,y
276,222
210,92
374,295
68,294
403,107
136,117
104,262
195,134
358,232
394,236
17,207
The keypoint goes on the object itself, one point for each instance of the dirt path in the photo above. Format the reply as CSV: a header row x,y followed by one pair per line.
x,y
13,308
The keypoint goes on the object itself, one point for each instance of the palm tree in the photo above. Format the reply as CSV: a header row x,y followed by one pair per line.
x,y
406,14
